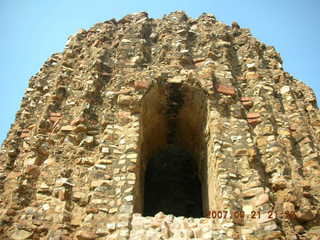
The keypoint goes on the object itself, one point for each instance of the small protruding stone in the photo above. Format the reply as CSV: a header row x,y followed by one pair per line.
x,y
299,229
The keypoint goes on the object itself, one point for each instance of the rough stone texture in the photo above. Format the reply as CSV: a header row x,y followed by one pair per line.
x,y
73,163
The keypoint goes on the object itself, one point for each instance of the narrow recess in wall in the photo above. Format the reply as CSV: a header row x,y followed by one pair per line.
x,y
172,164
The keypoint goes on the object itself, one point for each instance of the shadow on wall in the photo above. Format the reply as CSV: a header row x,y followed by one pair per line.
x,y
172,185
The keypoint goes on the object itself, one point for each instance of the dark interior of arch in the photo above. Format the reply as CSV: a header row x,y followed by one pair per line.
x,y
172,185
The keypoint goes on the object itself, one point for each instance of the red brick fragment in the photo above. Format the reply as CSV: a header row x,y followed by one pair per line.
x,y
92,210
253,115
254,120
228,90
246,99
247,104
307,194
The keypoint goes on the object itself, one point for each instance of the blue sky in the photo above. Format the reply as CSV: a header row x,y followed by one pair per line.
x,y
32,30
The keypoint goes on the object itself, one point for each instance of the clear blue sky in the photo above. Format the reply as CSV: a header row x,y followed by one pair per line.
x,y
34,29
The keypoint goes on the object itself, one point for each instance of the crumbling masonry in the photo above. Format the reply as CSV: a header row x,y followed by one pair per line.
x,y
173,128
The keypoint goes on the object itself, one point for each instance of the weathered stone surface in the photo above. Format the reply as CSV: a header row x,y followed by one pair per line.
x,y
306,215
74,163
252,75
272,235
21,235
288,207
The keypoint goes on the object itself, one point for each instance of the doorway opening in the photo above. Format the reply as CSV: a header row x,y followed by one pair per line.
x,y
172,185
172,164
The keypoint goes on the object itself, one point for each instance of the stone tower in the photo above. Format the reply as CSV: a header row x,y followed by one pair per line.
x,y
172,128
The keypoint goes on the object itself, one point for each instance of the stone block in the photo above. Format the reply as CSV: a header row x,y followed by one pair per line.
x,y
67,128
253,115
254,121
142,84
224,89
252,75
